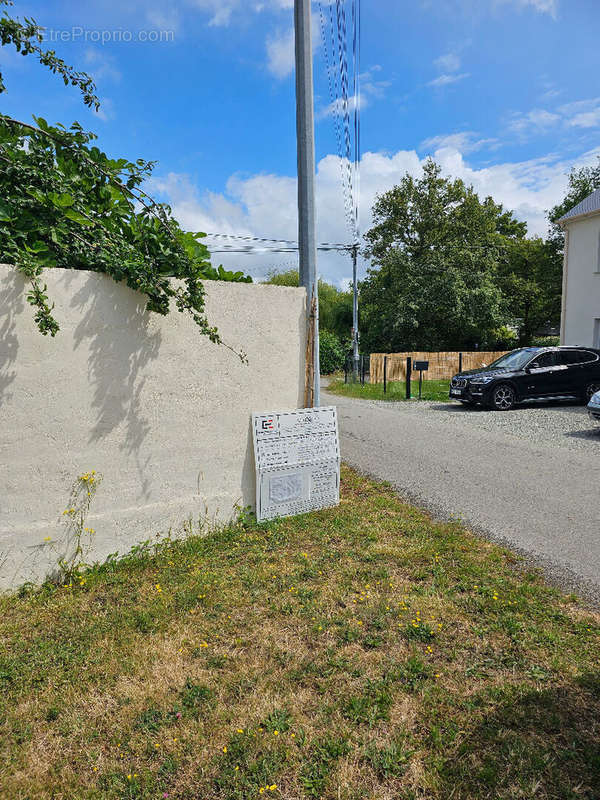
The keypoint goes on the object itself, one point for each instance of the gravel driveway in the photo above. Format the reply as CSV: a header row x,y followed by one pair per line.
x,y
554,425
526,478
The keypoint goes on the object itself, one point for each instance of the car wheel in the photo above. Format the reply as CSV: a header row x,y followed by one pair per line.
x,y
591,389
503,397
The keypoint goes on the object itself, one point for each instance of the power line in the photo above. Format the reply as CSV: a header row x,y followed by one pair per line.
x,y
356,56
249,238
292,245
346,248
336,99
342,42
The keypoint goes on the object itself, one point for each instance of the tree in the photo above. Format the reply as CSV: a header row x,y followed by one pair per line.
x,y
335,319
335,306
582,182
65,203
530,277
331,353
433,283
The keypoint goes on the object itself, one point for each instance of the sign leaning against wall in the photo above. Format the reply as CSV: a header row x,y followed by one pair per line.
x,y
297,457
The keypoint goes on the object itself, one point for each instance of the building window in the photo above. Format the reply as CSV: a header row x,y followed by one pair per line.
x,y
597,268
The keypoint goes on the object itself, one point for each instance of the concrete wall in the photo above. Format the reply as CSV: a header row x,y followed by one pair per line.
x,y
145,400
581,284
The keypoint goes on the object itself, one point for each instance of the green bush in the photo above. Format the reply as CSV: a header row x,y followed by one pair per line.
x,y
504,338
331,353
545,341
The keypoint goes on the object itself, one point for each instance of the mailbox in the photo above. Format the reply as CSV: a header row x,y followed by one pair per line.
x,y
421,367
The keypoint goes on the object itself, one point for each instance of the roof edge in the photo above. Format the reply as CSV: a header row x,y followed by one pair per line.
x,y
564,220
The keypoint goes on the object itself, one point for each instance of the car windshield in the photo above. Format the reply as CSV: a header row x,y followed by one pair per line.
x,y
514,360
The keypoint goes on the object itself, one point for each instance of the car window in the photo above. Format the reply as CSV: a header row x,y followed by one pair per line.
x,y
576,357
569,357
543,360
516,359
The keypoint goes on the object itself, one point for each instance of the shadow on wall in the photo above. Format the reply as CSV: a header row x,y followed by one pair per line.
x,y
249,469
12,301
249,472
115,327
302,333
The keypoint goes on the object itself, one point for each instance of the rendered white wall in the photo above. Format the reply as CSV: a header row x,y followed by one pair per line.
x,y
581,304
145,400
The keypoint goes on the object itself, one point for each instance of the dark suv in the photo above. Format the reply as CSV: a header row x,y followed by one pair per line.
x,y
531,373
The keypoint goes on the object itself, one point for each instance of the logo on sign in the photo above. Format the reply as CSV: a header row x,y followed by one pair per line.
x,y
267,424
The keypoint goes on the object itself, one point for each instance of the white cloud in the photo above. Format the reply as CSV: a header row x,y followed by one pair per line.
x,y
222,12
101,65
589,119
106,111
475,8
338,107
446,79
543,6
370,89
582,113
465,142
265,205
537,120
280,53
577,114
450,62
164,19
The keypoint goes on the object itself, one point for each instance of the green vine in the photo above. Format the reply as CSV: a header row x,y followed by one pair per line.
x,y
64,203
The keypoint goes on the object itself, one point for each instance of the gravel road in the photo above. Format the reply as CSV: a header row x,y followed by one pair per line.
x,y
527,478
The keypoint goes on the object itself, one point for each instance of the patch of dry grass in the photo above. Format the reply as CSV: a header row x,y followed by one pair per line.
x,y
360,652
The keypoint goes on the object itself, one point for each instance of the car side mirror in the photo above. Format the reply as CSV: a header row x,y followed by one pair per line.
x,y
533,365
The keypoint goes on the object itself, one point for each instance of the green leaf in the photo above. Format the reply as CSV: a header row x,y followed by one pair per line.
x,y
63,200
77,217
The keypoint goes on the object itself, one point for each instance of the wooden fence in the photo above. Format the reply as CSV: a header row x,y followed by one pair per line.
x,y
442,366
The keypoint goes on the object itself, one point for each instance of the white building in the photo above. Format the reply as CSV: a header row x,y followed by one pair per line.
x,y
580,317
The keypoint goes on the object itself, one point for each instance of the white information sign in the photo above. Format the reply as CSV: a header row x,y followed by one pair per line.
x,y
297,456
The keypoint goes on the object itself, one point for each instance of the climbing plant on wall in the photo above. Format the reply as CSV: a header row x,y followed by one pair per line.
x,y
65,203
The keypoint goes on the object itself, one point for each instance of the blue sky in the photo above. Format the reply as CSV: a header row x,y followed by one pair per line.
x,y
504,93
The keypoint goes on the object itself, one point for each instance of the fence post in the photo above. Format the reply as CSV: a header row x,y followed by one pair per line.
x,y
346,371
408,376
361,371
384,374
460,362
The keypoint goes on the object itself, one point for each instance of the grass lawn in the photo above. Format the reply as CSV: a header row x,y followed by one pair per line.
x,y
396,390
358,652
